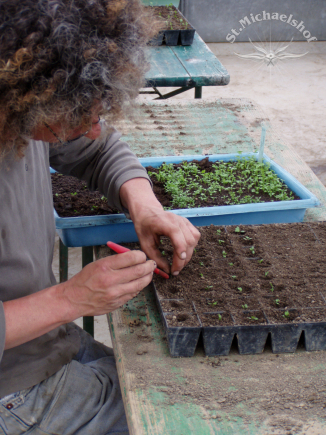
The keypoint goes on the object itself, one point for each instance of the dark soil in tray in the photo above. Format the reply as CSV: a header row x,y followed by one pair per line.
x,y
171,18
71,198
277,286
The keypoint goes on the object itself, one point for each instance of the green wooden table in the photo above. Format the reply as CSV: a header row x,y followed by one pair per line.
x,y
262,394
185,67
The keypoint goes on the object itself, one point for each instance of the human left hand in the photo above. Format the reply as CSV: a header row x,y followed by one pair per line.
x,y
152,221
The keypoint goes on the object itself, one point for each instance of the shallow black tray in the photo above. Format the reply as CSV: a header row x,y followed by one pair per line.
x,y
174,37
251,339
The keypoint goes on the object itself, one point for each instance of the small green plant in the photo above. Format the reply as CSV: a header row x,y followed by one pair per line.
x,y
266,273
234,277
163,252
247,238
94,207
218,231
237,230
223,254
240,289
201,275
260,261
56,194
212,303
253,318
73,194
272,287
245,306
231,264
277,302
103,198
208,287
219,316
252,250
286,314
220,242
201,263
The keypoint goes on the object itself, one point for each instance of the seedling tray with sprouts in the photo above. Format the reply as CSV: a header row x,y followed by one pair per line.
x,y
96,230
248,285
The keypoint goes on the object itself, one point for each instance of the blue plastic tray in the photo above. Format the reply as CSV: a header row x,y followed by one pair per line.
x,y
97,230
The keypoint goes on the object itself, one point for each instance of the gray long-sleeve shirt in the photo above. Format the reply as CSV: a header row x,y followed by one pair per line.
x,y
27,233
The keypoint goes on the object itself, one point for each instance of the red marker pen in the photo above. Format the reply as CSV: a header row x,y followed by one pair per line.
x,y
121,249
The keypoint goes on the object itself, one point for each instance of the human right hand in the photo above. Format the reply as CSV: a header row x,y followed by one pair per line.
x,y
106,284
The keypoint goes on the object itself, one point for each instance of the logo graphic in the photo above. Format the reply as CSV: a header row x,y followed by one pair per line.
x,y
270,56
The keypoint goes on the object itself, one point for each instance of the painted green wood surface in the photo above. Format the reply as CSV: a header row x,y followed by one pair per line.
x,y
199,127
160,2
193,65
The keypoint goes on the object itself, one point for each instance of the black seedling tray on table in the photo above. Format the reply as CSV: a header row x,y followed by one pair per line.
x,y
252,338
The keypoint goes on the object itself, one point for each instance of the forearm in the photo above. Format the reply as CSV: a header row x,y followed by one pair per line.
x,y
34,315
136,193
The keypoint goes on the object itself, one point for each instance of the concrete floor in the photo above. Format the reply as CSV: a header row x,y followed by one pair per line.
x,y
292,94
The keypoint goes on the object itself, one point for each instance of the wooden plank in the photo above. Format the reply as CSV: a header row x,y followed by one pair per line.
x,y
193,65
166,70
201,64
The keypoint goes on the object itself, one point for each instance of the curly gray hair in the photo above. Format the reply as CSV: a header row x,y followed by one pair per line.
x,y
59,57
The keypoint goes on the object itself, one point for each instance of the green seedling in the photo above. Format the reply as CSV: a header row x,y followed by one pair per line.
x,y
201,263
103,198
266,273
189,182
252,250
245,306
73,194
208,287
195,250
237,230
94,207
163,252
234,277
240,289
56,194
219,317
218,231
286,314
231,264
260,261
253,318
272,287
201,275
220,242
223,254
213,303
277,302
247,238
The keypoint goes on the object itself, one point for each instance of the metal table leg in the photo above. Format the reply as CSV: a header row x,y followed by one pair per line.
x,y
198,91
87,257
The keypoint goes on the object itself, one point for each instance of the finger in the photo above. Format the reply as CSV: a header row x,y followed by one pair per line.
x,y
192,236
128,274
121,261
126,292
154,253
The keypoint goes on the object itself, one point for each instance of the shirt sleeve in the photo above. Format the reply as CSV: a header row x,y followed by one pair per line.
x,y
2,330
104,163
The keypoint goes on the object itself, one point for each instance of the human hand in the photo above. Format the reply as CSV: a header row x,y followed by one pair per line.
x,y
106,284
151,222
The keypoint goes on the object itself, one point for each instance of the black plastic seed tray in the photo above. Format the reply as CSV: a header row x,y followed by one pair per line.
x,y
283,325
251,339
174,37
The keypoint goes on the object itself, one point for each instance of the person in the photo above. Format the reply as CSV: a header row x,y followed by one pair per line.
x,y
64,65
